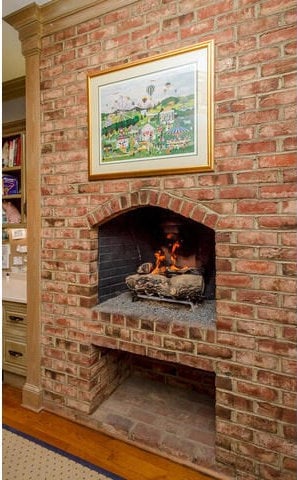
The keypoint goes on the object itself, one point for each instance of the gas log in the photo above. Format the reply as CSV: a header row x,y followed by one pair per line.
x,y
187,286
176,275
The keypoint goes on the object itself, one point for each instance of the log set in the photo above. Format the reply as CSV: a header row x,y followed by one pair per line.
x,y
185,285
176,275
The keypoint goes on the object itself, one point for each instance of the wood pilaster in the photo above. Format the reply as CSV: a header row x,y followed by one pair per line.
x,y
29,28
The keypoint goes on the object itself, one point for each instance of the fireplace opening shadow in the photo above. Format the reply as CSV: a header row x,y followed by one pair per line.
x,y
169,420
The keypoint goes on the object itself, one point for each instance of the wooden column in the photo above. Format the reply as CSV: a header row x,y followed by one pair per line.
x,y
32,391
28,25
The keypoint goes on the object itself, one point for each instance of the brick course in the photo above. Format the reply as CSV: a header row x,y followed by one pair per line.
x,y
248,200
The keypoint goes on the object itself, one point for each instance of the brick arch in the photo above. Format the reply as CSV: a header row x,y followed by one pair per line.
x,y
186,207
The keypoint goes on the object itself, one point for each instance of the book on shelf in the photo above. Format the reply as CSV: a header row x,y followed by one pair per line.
x,y
18,156
10,184
12,151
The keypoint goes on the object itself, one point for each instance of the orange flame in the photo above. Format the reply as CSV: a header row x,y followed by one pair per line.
x,y
161,264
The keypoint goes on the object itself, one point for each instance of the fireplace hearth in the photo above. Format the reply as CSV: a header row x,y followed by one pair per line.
x,y
202,313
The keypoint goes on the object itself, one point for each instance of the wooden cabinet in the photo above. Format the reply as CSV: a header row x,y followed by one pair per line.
x,y
13,175
14,331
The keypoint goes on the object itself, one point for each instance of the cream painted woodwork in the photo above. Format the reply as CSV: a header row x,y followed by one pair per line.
x,y
14,330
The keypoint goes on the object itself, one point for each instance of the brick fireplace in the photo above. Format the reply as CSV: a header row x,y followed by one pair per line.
x,y
174,344
245,348
176,333
103,338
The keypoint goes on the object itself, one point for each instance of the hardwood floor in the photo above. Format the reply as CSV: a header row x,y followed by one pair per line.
x,y
123,459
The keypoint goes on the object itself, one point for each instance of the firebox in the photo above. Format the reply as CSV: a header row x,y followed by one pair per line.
x,y
151,339
156,254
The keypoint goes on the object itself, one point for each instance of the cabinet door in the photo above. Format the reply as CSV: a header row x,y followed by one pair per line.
x,y
15,318
14,337
15,355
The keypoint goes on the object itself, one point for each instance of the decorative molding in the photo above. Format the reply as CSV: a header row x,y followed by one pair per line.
x,y
24,17
14,88
27,22
60,14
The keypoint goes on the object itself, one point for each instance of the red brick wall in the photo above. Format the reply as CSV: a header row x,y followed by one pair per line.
x,y
249,199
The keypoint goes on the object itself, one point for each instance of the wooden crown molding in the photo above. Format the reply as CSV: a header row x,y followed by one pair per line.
x,y
58,15
27,22
14,89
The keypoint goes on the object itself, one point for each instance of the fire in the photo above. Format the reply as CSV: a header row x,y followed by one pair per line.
x,y
161,265
175,275
173,254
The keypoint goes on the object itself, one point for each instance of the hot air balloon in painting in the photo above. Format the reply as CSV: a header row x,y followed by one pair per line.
x,y
150,90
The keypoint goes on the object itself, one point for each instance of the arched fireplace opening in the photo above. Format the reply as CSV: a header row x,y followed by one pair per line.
x,y
154,240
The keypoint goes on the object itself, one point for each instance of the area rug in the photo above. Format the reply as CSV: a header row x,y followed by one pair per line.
x,y
27,458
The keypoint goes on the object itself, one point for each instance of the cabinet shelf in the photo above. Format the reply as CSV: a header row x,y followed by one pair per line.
x,y
13,175
12,196
13,225
11,169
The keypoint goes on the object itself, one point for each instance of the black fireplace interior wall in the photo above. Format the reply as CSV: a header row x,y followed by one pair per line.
x,y
132,238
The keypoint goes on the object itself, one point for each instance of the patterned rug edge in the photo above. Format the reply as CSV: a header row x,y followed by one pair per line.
x,y
74,458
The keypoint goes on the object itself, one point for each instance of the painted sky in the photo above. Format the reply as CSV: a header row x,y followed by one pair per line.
x,y
179,81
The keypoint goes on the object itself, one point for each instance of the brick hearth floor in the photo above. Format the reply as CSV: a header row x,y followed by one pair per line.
x,y
166,419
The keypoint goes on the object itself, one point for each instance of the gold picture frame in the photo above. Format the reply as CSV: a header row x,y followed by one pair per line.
x,y
154,116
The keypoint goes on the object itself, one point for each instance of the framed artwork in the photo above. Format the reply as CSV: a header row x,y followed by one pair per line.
x,y
154,116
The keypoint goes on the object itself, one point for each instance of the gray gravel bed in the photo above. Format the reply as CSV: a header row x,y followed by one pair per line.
x,y
202,313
